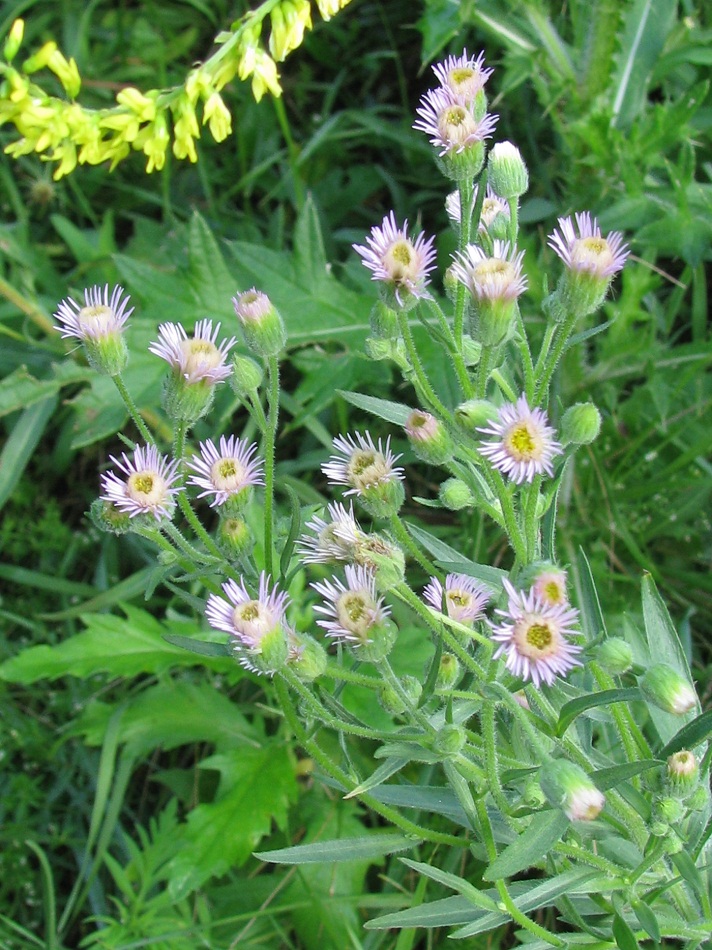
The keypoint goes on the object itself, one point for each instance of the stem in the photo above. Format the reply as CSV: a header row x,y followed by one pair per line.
x,y
483,371
414,714
335,672
132,409
562,332
427,392
526,355
327,764
184,502
455,352
401,533
270,438
531,522
491,759
466,190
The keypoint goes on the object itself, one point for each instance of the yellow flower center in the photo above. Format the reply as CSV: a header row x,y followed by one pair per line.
x,y
459,77
96,319
200,356
146,488
354,610
539,636
227,474
592,254
401,262
523,442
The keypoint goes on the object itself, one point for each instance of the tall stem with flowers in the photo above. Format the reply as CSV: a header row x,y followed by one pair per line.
x,y
524,709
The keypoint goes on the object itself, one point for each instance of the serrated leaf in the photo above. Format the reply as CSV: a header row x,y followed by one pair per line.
x,y
394,412
545,830
207,274
115,645
309,253
20,390
341,849
256,787
572,709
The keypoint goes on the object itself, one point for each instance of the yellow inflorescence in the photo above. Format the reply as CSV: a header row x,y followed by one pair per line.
x,y
66,133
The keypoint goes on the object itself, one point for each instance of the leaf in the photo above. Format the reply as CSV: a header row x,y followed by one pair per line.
x,y
545,830
442,913
309,253
121,647
20,390
617,774
592,621
647,919
341,849
201,647
21,443
572,709
478,897
207,274
394,412
450,559
256,787
623,934
382,774
692,734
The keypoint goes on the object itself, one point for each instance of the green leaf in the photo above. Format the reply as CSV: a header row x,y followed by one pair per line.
x,y
479,898
20,390
647,919
617,774
129,587
572,709
394,412
121,647
381,775
21,443
623,934
450,559
592,621
256,787
545,830
309,253
341,849
212,284
442,913
201,647
692,734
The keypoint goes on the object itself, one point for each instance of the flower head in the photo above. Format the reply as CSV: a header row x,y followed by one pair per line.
x,y
525,443
148,487
333,540
352,610
451,123
532,636
226,473
400,263
262,326
464,76
549,586
493,208
198,359
256,624
369,471
465,598
496,276
568,787
588,251
100,316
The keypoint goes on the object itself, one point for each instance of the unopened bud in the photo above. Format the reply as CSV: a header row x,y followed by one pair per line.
x,y
507,173
455,495
234,538
683,773
581,424
428,438
14,40
471,350
107,517
614,655
476,413
384,322
450,740
262,326
306,657
246,376
448,672
567,786
667,689
669,810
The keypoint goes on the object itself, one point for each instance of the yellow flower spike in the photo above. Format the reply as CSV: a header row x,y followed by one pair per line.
x,y
218,117
142,106
154,141
289,20
185,130
66,155
14,40
39,59
66,72
197,85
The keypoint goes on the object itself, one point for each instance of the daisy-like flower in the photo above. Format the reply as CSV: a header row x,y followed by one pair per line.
x,y
369,471
198,359
147,486
99,325
549,586
588,251
352,610
400,263
492,207
255,624
532,636
465,598
491,277
100,316
333,540
464,76
525,445
451,123
227,473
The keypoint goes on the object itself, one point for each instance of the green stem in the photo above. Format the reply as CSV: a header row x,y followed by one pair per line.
x,y
402,535
184,502
531,522
483,371
414,714
335,672
632,738
489,734
513,221
270,439
426,391
539,748
327,764
526,355
455,352
292,151
562,332
132,409
466,189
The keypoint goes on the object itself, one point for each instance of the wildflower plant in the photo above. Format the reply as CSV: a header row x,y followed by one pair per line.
x,y
546,743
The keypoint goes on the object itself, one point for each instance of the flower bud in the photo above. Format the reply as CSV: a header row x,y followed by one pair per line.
x,y
390,699
683,773
262,326
384,322
107,517
567,786
450,739
581,424
395,350
14,40
667,689
382,637
246,376
669,810
476,413
614,655
382,499
507,173
448,672
234,538
455,495
428,438
384,559
306,657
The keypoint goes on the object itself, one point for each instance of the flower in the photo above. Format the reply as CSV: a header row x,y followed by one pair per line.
x,y
352,609
532,637
256,624
497,276
262,326
451,123
100,316
465,599
333,540
370,472
507,172
226,473
588,251
525,443
464,76
492,207
149,486
400,263
568,787
197,359
549,586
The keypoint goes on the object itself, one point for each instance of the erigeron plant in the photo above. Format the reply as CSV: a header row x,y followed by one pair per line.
x,y
549,744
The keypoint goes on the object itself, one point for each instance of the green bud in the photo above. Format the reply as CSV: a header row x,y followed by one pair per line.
x,y
14,40
273,651
246,376
395,350
262,327
464,165
455,495
669,810
382,499
568,787
234,538
450,740
614,655
449,672
683,773
306,657
532,794
667,689
581,424
384,322
413,689
476,413
390,699
428,438
107,517
507,173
